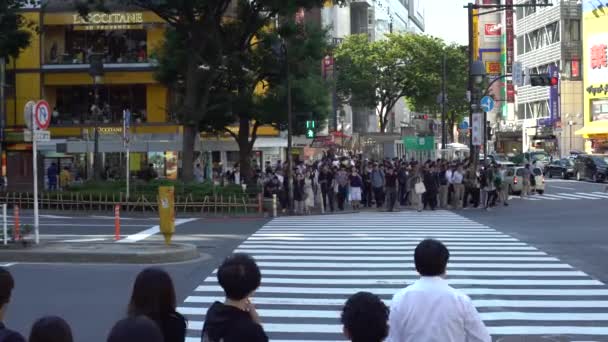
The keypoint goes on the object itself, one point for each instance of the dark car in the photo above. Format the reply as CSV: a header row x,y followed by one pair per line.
x,y
593,167
563,168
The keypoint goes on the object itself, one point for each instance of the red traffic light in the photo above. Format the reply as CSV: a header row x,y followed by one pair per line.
x,y
554,81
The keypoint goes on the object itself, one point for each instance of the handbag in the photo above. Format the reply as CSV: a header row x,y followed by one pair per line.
x,y
419,188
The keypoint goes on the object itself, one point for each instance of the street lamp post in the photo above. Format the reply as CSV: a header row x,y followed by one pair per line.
x,y
96,71
289,129
477,73
570,124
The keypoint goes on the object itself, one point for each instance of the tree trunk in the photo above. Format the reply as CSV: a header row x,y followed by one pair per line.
x,y
245,148
189,139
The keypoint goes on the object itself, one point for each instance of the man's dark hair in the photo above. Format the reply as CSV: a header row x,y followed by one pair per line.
x,y
6,286
431,258
239,276
365,318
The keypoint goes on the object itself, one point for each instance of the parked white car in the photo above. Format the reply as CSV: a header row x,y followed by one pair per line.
x,y
514,181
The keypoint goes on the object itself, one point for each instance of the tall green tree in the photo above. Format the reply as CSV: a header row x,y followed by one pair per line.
x,y
14,35
379,74
253,89
205,34
456,84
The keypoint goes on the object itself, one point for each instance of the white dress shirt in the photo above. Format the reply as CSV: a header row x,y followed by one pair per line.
x,y
432,311
448,176
457,177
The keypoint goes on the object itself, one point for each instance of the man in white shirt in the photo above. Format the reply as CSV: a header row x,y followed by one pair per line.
x,y
430,310
457,182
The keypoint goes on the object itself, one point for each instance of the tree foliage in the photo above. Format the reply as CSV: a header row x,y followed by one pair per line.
x,y
209,33
378,74
253,90
456,84
14,35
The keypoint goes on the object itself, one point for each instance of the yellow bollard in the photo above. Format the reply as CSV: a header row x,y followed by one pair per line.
x,y
166,210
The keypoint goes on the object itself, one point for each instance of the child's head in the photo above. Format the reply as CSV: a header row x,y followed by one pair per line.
x,y
239,276
365,318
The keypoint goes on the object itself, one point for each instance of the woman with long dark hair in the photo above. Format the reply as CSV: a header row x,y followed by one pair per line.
x,y
154,297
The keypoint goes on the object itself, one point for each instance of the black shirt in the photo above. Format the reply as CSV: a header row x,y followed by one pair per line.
x,y
7,335
229,324
390,180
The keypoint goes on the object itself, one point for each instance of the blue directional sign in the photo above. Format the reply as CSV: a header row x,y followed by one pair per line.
x,y
487,104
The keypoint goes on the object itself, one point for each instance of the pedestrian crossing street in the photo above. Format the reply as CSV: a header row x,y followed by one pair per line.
x,y
572,196
311,265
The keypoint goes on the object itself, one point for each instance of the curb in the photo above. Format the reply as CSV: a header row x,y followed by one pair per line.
x,y
102,253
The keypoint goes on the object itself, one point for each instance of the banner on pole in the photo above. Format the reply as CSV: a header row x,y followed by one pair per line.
x,y
477,127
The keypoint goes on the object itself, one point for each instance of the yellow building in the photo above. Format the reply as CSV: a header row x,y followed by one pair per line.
x,y
595,73
55,67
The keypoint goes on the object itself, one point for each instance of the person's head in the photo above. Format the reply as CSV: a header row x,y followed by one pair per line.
x,y
6,289
153,294
527,166
239,276
389,170
365,318
431,258
136,329
51,329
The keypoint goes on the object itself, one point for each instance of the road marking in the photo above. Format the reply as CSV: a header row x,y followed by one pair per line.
x,y
8,264
85,240
383,291
602,194
486,316
413,273
151,231
406,265
573,195
402,281
594,196
478,251
561,187
401,259
558,198
505,330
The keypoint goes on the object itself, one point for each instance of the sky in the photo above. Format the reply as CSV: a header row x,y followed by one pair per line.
x,y
447,19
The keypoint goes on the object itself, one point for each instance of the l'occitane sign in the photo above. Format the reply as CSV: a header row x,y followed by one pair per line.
x,y
98,18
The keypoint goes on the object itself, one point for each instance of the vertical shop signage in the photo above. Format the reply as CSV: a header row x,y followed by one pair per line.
x,y
554,96
509,34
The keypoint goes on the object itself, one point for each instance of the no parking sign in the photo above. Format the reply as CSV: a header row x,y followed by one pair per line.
x,y
42,115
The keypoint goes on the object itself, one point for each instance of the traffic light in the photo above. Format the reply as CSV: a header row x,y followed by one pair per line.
x,y
310,129
543,81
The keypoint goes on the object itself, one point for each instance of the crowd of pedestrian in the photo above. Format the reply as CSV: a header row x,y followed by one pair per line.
x,y
427,310
338,183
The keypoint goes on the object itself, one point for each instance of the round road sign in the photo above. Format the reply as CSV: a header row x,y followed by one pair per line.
x,y
42,115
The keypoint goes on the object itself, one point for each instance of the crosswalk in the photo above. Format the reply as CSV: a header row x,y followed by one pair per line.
x,y
570,196
311,265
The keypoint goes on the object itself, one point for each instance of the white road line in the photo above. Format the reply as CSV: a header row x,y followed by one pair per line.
x,y
556,197
347,291
374,247
486,316
85,225
479,303
359,236
401,259
85,240
406,265
601,194
380,243
279,250
572,195
506,330
150,231
592,195
403,281
413,273
8,264
561,187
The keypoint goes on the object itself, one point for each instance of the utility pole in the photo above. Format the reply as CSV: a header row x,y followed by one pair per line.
x,y
472,57
444,95
2,111
289,131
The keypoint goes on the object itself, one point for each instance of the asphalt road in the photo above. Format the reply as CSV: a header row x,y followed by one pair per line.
x,y
570,227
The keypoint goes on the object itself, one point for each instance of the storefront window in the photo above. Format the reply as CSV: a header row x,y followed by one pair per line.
x,y
599,110
117,46
74,104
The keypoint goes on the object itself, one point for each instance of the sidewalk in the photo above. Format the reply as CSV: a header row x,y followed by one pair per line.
x,y
100,252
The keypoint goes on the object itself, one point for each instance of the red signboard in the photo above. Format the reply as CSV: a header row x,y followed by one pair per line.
x,y
599,56
509,34
493,29
510,93
576,68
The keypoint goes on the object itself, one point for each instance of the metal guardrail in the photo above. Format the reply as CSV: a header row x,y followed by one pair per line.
x,y
104,202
